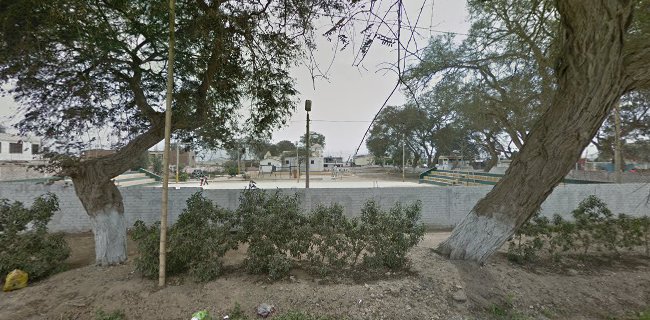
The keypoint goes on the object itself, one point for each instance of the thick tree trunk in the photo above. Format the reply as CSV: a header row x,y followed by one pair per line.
x,y
103,203
591,78
102,199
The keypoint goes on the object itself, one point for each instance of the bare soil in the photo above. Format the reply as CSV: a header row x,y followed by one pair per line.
x,y
599,287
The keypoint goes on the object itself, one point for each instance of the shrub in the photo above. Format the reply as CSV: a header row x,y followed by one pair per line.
x,y
529,239
389,235
195,243
278,234
336,240
594,226
24,239
378,238
274,228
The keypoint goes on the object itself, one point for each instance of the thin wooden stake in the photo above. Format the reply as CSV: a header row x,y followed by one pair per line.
x,y
168,126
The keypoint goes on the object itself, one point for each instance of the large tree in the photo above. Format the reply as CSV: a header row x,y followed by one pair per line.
x,y
603,52
635,124
77,65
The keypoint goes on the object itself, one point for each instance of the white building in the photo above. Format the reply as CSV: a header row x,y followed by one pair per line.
x,y
17,148
270,163
364,160
316,161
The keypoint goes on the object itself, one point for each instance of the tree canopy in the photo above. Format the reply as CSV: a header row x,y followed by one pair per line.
x,y
314,138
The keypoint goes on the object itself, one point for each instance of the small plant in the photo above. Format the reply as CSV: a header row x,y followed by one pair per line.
x,y
594,227
24,239
115,315
595,224
529,240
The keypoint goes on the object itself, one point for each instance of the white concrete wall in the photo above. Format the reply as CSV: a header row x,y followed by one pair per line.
x,y
441,207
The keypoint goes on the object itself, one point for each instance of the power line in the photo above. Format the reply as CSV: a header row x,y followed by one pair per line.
x,y
353,121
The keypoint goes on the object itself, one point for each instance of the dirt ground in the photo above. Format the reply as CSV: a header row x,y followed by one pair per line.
x,y
434,288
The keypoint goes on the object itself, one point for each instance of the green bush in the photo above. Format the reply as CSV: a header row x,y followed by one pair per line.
x,y
25,242
593,227
195,243
389,235
278,235
336,240
274,228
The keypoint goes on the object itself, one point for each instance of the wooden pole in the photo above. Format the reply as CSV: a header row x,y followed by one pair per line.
x,y
168,127
618,155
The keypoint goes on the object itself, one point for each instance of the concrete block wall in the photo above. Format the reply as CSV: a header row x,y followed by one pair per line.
x,y
441,207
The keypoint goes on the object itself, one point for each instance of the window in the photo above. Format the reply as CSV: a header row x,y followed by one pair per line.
x,y
269,164
312,162
286,162
35,149
16,147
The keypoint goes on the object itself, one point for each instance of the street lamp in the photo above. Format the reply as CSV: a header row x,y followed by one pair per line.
x,y
307,138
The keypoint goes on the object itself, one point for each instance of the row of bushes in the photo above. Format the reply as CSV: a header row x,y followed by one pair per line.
x,y
594,227
279,235
24,241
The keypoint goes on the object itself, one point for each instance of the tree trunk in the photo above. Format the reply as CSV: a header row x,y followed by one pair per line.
x,y
102,200
103,203
591,78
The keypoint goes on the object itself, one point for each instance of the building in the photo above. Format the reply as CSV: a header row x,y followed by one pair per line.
x,y
270,163
364,160
186,158
453,162
316,160
333,162
17,148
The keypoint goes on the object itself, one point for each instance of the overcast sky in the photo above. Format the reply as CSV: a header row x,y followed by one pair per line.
x,y
356,94
345,103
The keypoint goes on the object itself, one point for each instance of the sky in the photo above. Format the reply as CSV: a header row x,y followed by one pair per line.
x,y
344,104
355,94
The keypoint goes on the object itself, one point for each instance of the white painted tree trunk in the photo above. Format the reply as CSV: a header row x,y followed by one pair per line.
x,y
591,78
109,228
476,238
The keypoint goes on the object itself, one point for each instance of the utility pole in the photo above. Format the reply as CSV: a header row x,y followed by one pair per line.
x,y
162,257
618,155
307,138
403,156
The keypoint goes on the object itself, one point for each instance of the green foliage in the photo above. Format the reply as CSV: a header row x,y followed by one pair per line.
x,y
274,227
314,138
115,315
156,165
196,242
142,161
279,235
593,227
24,239
336,240
389,235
